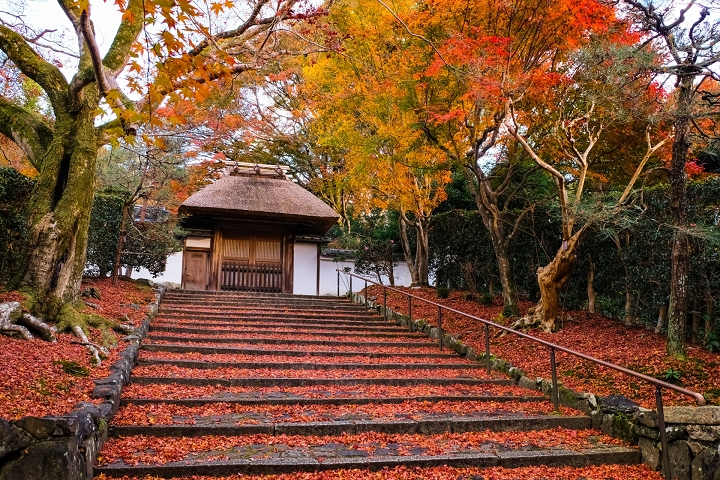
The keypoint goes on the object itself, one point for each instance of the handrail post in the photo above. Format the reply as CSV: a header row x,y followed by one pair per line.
x,y
338,281
487,349
553,372
410,320
351,296
384,302
366,295
440,327
663,433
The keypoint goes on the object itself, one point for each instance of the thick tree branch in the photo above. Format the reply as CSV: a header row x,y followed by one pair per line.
x,y
44,73
26,129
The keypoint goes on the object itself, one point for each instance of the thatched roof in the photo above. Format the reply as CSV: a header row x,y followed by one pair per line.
x,y
262,197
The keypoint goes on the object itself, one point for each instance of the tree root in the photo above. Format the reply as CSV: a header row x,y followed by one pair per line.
x,y
10,314
96,351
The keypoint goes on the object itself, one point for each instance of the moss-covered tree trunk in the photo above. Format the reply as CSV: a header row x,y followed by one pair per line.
x,y
60,209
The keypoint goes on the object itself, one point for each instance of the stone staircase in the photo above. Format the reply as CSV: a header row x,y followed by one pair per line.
x,y
233,383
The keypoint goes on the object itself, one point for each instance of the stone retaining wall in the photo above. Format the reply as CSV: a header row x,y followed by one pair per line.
x,y
693,432
65,447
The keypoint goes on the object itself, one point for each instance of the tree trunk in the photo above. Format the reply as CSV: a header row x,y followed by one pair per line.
x,y
120,244
60,209
552,278
507,281
407,252
709,323
422,252
630,308
680,260
696,320
661,319
592,294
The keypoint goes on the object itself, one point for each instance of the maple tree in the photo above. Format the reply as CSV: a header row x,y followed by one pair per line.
x,y
181,60
387,161
687,36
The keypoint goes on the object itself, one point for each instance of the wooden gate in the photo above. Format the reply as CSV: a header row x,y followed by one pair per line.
x,y
251,264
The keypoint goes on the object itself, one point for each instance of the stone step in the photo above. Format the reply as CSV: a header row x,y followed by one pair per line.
x,y
227,305
279,321
255,454
235,426
279,313
272,341
326,392
271,324
301,382
284,330
206,365
298,401
186,348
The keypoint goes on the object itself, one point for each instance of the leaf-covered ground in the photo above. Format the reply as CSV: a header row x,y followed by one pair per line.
x,y
147,450
35,381
632,347
603,472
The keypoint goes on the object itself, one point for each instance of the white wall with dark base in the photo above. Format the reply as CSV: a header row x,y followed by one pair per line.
x,y
305,269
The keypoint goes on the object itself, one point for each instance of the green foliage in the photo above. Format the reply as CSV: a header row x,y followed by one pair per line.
x,y
15,190
147,245
443,292
104,230
673,376
73,368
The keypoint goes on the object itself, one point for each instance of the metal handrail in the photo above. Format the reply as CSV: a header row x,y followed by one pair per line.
x,y
659,384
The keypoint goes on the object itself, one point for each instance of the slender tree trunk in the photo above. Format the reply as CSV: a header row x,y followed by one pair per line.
x,y
422,252
120,245
709,323
592,294
662,318
507,281
680,259
60,209
630,308
407,252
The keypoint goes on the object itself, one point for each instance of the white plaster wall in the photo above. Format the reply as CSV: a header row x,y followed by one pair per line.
x,y
304,279
305,269
172,273
328,276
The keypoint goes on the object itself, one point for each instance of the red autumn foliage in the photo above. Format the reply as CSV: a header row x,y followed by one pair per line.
x,y
635,348
117,299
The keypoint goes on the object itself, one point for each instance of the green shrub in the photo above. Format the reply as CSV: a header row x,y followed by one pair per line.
x,y
443,292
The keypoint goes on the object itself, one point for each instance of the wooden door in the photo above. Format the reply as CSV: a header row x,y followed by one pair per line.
x,y
252,264
195,274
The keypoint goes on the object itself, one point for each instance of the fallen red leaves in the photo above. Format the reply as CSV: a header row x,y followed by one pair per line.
x,y
632,347
33,380
245,336
168,414
176,391
602,472
359,348
117,299
240,358
147,450
173,371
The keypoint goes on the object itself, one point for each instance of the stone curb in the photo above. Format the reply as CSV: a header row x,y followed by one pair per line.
x,y
65,447
693,432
